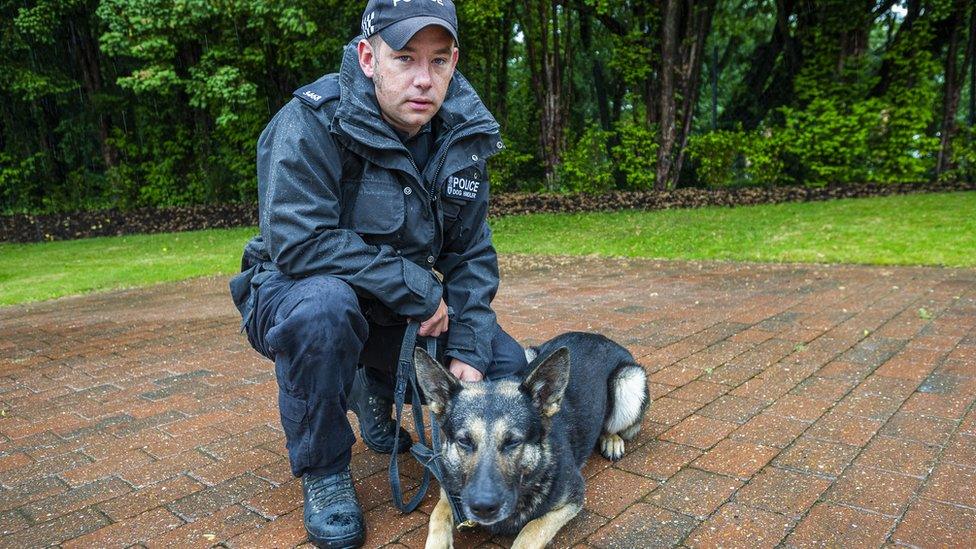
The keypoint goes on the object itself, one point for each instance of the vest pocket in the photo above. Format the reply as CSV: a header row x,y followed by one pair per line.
x,y
451,209
377,207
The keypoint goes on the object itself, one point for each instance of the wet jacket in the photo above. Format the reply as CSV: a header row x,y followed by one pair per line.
x,y
339,194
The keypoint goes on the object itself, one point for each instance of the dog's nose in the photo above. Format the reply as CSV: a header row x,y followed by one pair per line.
x,y
484,507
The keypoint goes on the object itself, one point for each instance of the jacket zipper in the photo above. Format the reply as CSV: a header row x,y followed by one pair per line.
x,y
440,164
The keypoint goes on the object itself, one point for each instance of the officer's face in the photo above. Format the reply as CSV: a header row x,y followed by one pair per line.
x,y
411,83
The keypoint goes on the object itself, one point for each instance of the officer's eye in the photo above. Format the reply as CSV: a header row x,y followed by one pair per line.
x,y
403,58
440,61
465,442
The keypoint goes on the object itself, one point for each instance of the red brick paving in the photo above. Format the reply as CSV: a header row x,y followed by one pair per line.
x,y
795,405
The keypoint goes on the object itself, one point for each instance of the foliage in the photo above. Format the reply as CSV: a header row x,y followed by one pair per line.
x,y
727,157
586,167
824,143
17,183
831,145
869,141
764,159
716,154
636,155
127,103
963,156
506,168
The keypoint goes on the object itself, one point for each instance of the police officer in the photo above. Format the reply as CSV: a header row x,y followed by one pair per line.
x,y
373,198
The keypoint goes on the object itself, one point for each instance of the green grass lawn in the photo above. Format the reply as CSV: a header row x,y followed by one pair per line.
x,y
32,272
932,229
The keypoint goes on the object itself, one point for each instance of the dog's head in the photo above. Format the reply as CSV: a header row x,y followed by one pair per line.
x,y
494,431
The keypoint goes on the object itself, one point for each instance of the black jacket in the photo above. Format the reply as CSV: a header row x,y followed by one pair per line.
x,y
339,194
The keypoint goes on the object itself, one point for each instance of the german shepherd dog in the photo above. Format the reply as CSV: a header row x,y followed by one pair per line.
x,y
513,449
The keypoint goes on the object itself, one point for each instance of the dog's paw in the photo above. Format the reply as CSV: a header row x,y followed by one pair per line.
x,y
439,540
612,447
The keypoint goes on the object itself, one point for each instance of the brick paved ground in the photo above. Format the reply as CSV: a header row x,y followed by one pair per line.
x,y
794,405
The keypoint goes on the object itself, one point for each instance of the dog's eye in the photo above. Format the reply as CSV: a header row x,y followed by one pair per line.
x,y
465,442
511,444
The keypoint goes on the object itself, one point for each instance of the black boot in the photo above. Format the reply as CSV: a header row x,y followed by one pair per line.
x,y
372,407
333,517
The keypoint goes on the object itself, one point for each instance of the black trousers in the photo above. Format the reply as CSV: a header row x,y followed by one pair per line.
x,y
315,331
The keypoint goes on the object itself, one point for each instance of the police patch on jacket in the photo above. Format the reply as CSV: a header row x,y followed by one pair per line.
x,y
464,185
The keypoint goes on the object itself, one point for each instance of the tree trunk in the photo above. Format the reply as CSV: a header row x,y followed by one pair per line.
x,y
549,51
91,78
971,54
747,106
682,50
669,46
904,30
952,89
691,74
501,84
596,67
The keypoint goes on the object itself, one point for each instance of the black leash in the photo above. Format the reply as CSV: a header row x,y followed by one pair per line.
x,y
428,456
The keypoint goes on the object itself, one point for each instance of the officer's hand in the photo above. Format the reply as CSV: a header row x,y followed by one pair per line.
x,y
465,372
436,324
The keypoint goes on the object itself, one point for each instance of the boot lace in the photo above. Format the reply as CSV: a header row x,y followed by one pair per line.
x,y
327,490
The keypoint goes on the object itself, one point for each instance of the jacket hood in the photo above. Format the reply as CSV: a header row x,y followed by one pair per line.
x,y
358,114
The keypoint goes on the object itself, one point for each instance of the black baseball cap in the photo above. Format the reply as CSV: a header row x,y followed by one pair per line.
x,y
396,21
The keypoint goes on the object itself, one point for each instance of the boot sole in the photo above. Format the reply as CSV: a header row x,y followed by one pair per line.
x,y
342,543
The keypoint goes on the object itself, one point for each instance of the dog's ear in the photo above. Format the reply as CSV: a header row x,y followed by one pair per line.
x,y
547,383
437,383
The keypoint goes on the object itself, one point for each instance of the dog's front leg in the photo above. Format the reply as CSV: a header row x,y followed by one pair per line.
x,y
440,531
537,533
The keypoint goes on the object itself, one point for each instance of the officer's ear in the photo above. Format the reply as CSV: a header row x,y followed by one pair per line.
x,y
367,57
455,55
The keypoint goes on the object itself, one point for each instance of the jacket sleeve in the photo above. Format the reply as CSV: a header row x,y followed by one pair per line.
x,y
299,178
470,268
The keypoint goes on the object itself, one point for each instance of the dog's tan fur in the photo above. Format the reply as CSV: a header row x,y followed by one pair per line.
x,y
440,530
539,532
536,534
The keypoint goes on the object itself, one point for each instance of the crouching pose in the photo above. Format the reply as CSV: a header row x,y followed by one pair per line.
x,y
372,199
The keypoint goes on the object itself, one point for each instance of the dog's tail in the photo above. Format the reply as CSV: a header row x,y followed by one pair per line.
x,y
628,401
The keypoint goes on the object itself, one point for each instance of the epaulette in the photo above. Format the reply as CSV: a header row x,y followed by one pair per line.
x,y
317,93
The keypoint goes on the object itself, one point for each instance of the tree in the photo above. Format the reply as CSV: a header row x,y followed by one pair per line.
x,y
547,27
683,38
954,78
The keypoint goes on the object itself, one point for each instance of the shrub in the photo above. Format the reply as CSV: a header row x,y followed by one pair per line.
x,y
764,158
726,157
830,144
827,142
866,141
19,181
963,156
507,168
636,155
585,167
715,154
